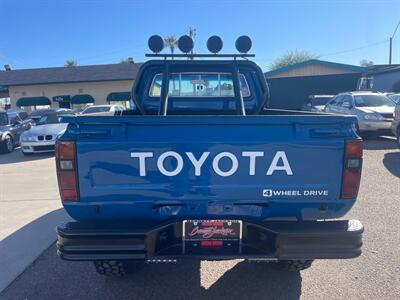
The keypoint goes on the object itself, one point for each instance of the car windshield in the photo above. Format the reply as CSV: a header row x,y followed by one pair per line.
x,y
372,100
3,119
49,119
96,109
320,101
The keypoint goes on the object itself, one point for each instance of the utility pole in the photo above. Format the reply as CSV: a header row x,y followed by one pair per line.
x,y
391,43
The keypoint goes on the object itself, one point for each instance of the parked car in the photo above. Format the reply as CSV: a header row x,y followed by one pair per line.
x,y
395,98
316,102
42,137
37,114
219,178
396,123
374,111
13,122
103,110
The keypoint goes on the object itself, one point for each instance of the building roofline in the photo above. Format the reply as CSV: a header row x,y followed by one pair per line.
x,y
67,82
74,74
315,62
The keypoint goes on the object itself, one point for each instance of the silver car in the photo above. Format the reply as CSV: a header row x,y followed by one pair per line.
x,y
42,137
374,111
103,110
396,123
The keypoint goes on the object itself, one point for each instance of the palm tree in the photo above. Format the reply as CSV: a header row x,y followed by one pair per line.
x,y
171,41
71,63
128,60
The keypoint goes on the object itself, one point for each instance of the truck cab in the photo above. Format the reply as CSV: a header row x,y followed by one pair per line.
x,y
203,169
200,87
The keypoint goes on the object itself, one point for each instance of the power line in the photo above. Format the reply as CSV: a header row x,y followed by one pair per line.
x,y
396,29
355,49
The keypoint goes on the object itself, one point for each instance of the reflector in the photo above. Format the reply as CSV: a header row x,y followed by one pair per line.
x,y
351,183
68,185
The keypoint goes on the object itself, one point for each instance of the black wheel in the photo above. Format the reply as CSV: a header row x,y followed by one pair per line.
x,y
294,265
7,144
114,268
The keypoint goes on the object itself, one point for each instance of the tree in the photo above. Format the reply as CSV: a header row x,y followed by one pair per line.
x,y
291,58
71,63
366,63
127,60
192,32
171,41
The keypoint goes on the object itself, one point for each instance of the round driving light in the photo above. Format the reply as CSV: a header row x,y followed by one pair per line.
x,y
185,43
243,44
214,44
156,43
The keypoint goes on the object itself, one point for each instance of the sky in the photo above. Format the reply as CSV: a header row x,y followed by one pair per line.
x,y
46,33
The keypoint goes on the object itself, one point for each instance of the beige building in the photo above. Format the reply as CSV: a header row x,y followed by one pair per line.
x,y
70,87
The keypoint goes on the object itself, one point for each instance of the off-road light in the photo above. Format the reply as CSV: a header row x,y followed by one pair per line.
x,y
243,44
156,43
185,43
214,44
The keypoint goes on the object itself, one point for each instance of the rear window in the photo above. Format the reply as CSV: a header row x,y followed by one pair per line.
x,y
199,85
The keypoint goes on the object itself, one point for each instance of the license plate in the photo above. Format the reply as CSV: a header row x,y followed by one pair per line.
x,y
212,230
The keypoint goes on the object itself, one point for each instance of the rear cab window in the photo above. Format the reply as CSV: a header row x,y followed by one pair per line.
x,y
199,85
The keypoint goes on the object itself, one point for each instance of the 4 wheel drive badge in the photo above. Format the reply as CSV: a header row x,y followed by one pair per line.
x,y
267,193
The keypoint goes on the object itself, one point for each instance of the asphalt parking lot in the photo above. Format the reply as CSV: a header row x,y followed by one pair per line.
x,y
376,274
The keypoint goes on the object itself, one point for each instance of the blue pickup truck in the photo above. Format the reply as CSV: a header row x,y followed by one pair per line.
x,y
204,170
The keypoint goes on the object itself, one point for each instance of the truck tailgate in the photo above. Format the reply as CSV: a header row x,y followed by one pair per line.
x,y
277,166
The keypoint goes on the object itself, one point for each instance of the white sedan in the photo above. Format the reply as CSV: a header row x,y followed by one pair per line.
x,y
42,138
103,110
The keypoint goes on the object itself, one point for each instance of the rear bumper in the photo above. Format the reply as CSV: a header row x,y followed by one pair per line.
x,y
281,240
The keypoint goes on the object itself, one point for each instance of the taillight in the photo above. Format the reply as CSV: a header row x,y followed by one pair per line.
x,y
352,169
66,170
